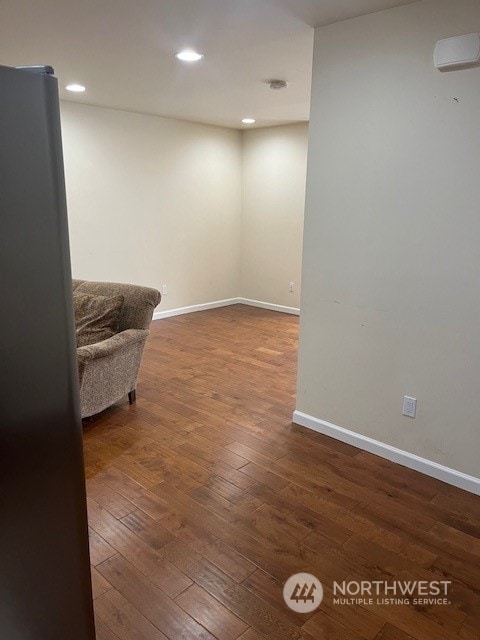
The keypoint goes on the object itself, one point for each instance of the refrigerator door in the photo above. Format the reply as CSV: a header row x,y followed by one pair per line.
x,y
45,591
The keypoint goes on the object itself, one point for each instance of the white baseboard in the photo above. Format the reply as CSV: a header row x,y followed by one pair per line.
x,y
269,305
158,315
410,460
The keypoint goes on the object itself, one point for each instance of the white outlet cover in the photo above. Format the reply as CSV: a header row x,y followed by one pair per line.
x,y
409,406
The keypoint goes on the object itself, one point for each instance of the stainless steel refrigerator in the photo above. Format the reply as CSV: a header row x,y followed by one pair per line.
x,y
45,591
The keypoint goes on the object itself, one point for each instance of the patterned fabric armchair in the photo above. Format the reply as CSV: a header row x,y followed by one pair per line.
x,y
108,370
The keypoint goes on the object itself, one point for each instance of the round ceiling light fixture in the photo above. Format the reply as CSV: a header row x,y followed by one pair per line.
x,y
248,121
189,56
76,88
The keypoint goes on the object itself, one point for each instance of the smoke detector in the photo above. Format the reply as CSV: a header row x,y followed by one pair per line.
x,y
277,84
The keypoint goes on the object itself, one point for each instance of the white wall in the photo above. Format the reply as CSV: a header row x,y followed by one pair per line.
x,y
273,199
153,200
391,294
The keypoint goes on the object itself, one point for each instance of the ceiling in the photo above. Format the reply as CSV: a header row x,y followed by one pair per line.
x,y
123,52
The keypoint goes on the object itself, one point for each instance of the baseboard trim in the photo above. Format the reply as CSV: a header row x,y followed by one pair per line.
x,y
159,315
410,460
269,305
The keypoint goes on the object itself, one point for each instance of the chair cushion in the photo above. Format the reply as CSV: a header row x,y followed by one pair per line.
x,y
96,317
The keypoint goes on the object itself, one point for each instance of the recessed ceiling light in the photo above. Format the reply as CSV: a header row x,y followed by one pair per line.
x,y
189,56
248,120
76,88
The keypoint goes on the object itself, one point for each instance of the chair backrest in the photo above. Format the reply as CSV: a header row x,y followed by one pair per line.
x,y
139,302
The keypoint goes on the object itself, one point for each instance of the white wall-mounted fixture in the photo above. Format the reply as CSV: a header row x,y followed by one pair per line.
x,y
457,53
248,121
189,56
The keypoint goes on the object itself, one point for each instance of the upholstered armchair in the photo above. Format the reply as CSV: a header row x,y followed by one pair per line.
x,y
108,369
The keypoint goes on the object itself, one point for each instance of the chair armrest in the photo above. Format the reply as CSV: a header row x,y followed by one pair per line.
x,y
108,370
109,346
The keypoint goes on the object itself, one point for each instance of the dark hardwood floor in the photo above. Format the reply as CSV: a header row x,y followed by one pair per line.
x,y
204,498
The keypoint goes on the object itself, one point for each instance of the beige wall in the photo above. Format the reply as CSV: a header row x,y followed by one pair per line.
x,y
391,301
153,200
160,201
273,199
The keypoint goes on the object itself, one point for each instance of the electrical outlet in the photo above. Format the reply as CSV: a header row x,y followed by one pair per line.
x,y
409,406
291,287
164,289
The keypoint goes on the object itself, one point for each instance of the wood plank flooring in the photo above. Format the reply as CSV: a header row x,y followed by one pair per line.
x,y
203,499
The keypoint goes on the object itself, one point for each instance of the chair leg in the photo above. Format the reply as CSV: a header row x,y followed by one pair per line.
x,y
132,396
